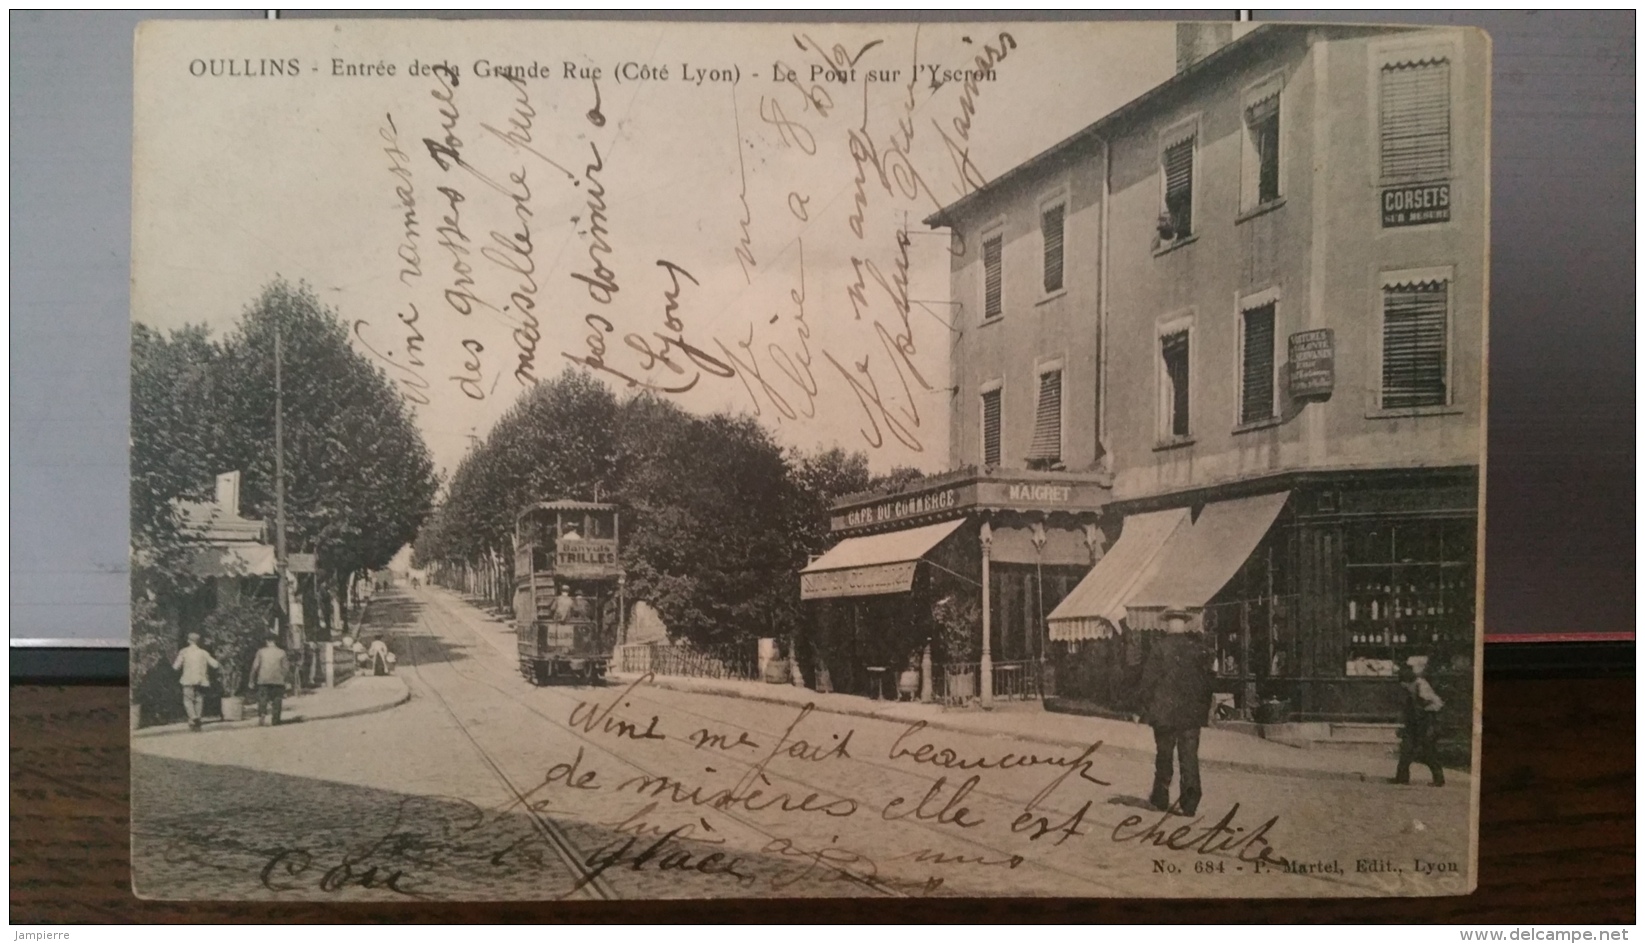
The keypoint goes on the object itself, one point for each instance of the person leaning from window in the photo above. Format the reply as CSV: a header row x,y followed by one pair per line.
x,y
1419,737
194,665
1175,697
268,673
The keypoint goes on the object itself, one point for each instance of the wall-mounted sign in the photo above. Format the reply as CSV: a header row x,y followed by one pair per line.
x,y
1313,363
1414,206
301,564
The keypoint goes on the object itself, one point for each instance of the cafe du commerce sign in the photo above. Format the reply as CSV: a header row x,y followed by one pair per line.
x,y
959,499
913,506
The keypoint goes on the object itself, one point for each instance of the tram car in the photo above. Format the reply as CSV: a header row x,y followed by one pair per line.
x,y
568,590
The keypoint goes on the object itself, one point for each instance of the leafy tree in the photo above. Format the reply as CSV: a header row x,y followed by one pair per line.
x,y
359,479
176,442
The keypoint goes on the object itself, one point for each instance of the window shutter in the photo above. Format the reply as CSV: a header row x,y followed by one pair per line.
x,y
1174,350
1257,366
1416,120
1051,228
991,278
1413,345
1179,186
1047,442
991,428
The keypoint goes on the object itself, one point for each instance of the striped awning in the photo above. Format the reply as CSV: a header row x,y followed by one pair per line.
x,y
1094,608
872,565
1199,560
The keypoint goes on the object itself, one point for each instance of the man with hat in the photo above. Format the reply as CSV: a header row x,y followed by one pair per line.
x,y
194,666
1419,737
1175,697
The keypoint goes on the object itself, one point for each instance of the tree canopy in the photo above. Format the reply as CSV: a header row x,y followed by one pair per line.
x,y
359,479
717,518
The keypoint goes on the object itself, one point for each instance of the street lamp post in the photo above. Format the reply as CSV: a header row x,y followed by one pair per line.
x,y
987,667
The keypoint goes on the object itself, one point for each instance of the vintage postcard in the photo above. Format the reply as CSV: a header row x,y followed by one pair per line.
x,y
600,460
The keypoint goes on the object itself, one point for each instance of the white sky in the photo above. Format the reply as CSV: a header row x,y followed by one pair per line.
x,y
238,179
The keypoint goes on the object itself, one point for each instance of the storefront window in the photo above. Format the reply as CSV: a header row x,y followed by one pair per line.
x,y
1409,592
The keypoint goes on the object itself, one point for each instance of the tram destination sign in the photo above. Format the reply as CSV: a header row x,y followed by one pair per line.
x,y
588,557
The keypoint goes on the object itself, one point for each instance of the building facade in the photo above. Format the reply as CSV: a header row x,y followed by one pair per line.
x,y
1242,317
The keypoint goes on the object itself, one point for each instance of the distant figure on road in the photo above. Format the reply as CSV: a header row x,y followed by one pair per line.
x,y
381,658
1419,738
268,673
1175,695
195,665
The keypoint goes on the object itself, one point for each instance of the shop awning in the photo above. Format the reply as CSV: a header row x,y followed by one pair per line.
x,y
1199,560
231,560
875,564
1094,608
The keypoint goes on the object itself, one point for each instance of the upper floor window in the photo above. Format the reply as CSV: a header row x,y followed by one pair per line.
x,y
1174,384
1414,119
992,263
1262,149
1051,226
1045,451
1177,217
991,428
1415,333
1256,356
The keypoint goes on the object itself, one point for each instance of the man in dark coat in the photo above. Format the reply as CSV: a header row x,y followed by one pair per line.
x,y
1175,699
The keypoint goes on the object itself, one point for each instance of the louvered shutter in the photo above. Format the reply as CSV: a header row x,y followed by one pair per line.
x,y
1047,442
1051,228
1179,187
1263,121
1416,120
1257,366
991,278
991,428
1174,350
1413,345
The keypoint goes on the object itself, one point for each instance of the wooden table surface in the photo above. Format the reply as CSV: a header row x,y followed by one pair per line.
x,y
1556,835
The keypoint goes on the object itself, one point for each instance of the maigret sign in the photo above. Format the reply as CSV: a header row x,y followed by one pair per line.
x,y
960,498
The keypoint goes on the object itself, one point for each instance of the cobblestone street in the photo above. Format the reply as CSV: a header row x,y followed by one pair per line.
x,y
483,786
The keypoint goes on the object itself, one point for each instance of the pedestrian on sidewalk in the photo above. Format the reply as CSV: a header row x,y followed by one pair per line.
x,y
268,673
1175,696
1419,736
194,666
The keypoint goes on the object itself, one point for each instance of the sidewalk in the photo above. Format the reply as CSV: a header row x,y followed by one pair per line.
x,y
360,695
1027,722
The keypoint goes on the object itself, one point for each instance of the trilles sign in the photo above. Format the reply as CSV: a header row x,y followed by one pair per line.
x,y
588,557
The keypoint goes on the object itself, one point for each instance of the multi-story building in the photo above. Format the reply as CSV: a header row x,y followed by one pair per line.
x,y
1239,322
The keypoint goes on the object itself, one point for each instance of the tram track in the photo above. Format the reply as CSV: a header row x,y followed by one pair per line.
x,y
450,619
589,884
435,604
